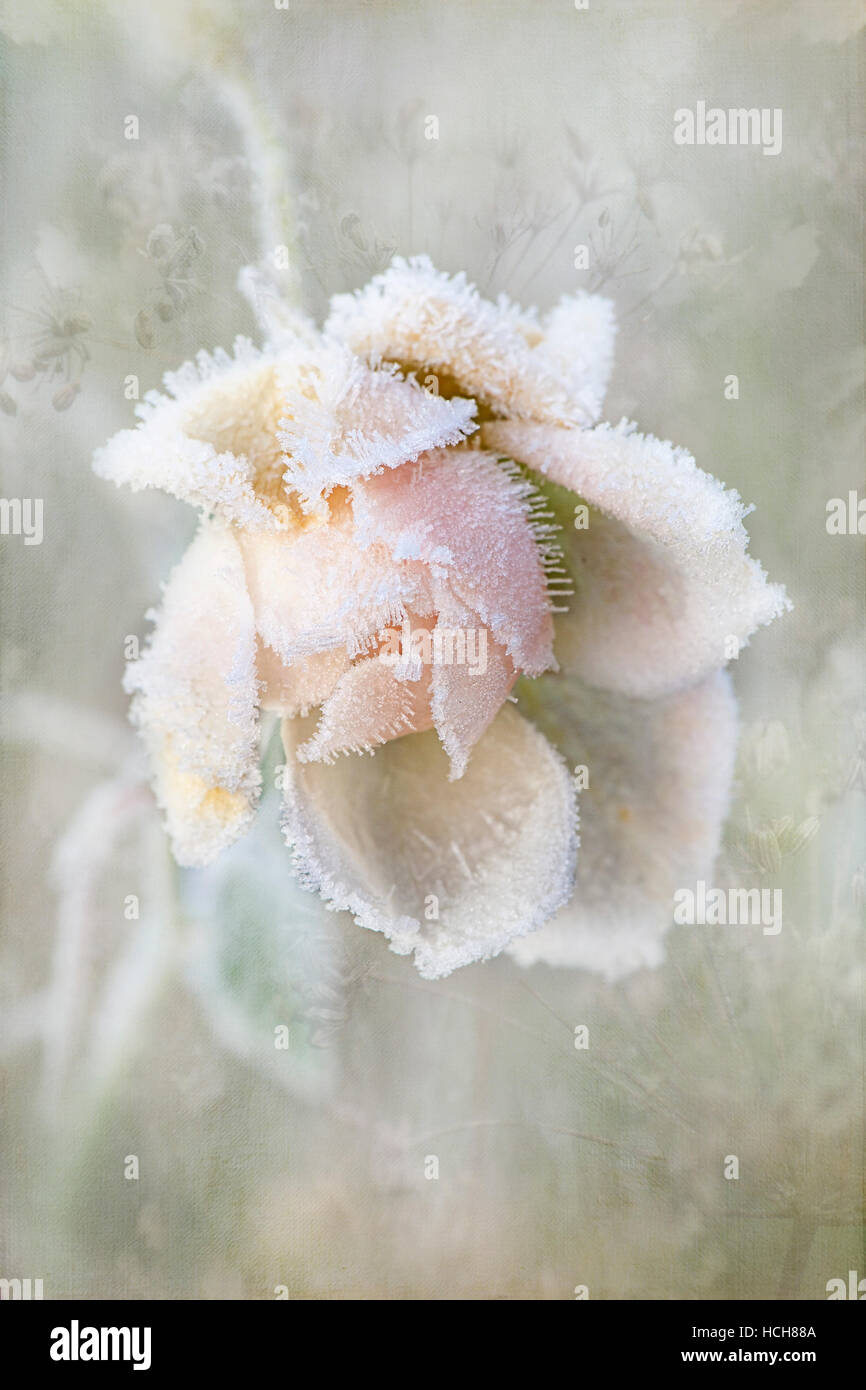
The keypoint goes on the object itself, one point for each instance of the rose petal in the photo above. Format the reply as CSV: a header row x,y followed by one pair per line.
x,y
420,317
344,421
374,702
471,676
659,783
473,522
444,671
449,870
234,433
195,699
211,441
578,343
317,589
291,690
665,589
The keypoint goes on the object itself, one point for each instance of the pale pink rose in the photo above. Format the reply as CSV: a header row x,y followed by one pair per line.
x,y
380,558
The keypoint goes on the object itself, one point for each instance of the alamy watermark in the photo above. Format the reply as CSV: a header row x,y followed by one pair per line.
x,y
77,1343
854,1288
705,906
23,1289
22,516
736,126
444,646
846,516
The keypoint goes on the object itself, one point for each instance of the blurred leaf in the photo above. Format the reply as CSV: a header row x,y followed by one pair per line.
x,y
266,955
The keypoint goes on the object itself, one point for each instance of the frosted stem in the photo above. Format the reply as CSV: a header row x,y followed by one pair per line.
x,y
271,179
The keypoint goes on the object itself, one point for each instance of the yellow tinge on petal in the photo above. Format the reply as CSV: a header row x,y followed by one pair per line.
x,y
201,819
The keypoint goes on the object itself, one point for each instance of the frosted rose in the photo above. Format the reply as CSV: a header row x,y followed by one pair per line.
x,y
386,541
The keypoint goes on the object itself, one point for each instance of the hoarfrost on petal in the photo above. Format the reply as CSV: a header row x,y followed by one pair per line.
x,y
318,589
375,701
666,591
195,698
296,689
449,870
659,784
344,421
578,342
471,676
211,441
474,523
428,320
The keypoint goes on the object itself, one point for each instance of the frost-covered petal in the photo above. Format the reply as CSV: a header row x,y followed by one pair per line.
x,y
375,701
445,671
343,421
317,589
666,590
296,689
650,819
211,440
431,321
450,870
474,522
472,674
578,343
195,699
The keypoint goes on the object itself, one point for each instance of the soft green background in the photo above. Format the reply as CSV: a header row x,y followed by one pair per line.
x,y
154,1038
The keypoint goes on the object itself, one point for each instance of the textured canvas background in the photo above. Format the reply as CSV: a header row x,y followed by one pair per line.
x,y
153,1037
